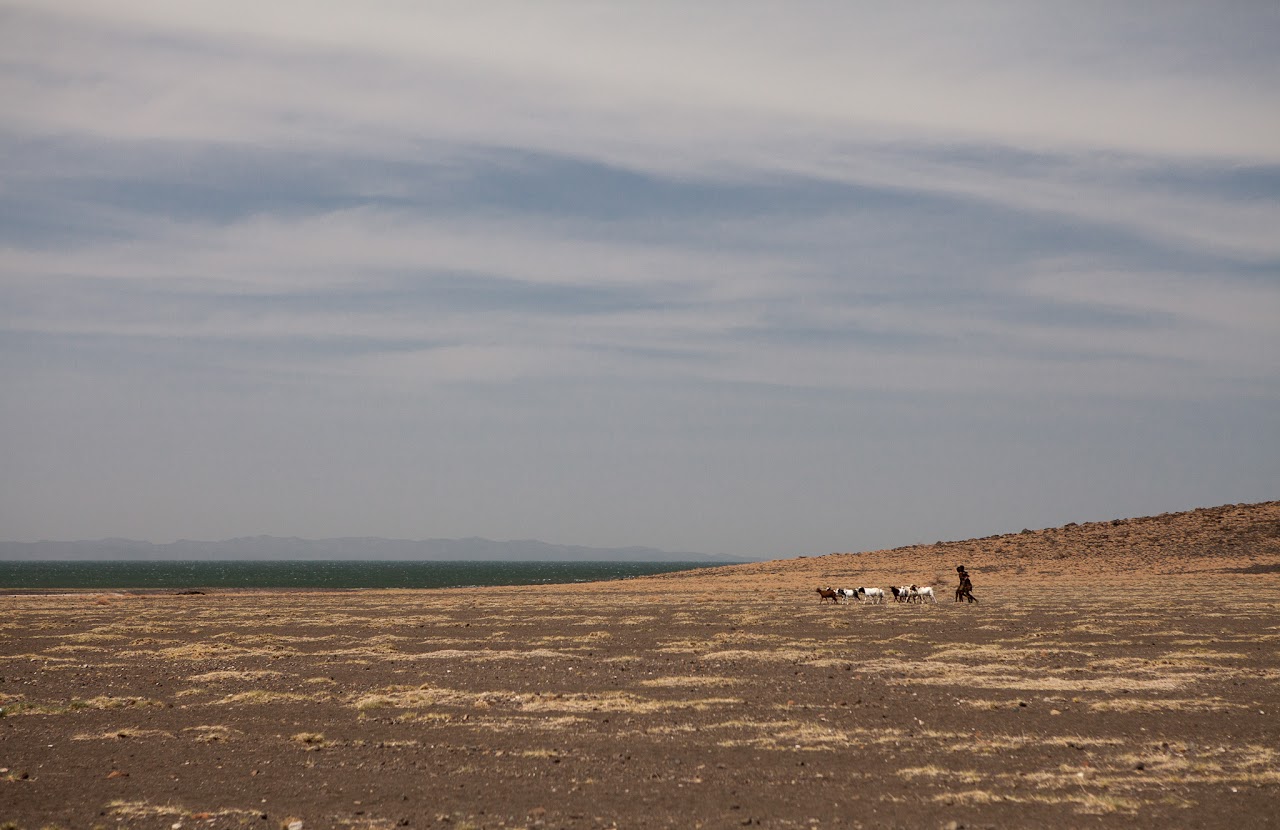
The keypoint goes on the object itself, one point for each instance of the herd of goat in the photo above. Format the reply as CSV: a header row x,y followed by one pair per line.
x,y
900,593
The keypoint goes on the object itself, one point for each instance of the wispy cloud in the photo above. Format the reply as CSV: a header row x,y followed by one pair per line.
x,y
682,233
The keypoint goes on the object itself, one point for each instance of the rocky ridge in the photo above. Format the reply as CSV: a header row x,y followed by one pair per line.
x,y
1231,538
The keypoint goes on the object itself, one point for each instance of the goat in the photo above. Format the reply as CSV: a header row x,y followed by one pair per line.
x,y
872,594
920,594
847,593
827,593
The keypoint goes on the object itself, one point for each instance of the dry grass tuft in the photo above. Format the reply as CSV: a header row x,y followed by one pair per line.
x,y
311,740
216,733
263,696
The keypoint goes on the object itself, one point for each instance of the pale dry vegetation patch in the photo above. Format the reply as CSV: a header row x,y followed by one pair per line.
x,y
127,732
484,655
46,662
690,681
228,675
734,637
259,640
1195,655
152,642
571,619
77,649
140,626
961,776
1100,804
373,823
1002,652
509,724
612,701
633,619
18,705
766,655
262,696
364,653
310,740
1079,741
987,703
431,718
196,652
681,647
573,641
751,724
212,733
539,752
986,676
1132,704
808,735
1182,763
1086,803
139,810
94,636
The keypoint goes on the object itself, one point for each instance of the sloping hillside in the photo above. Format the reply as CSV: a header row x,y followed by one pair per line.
x,y
1233,538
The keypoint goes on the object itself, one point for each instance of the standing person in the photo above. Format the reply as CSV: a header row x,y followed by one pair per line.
x,y
965,588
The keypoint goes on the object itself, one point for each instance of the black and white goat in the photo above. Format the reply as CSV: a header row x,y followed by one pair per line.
x,y
870,594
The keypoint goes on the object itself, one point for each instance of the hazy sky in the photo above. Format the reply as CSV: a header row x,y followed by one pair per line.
x,y
763,279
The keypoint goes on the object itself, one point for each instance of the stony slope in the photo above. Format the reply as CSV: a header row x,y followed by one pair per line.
x,y
1232,539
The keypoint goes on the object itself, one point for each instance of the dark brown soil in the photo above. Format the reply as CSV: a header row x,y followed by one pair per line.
x,y
714,699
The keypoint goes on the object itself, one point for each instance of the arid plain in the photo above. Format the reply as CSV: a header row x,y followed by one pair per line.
x,y
1115,674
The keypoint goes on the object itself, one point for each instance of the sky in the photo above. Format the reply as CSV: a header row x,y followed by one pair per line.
x,y
758,279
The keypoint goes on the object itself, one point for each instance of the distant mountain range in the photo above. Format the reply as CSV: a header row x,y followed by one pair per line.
x,y
266,548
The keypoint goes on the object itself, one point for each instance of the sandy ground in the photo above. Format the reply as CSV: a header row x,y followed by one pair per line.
x,y
1106,687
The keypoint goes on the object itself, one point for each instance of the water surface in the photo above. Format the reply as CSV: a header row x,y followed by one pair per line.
x,y
328,574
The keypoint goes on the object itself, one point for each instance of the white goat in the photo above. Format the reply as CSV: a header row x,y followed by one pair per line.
x,y
871,594
921,594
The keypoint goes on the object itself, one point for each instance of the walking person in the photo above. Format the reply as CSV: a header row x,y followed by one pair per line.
x,y
965,589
